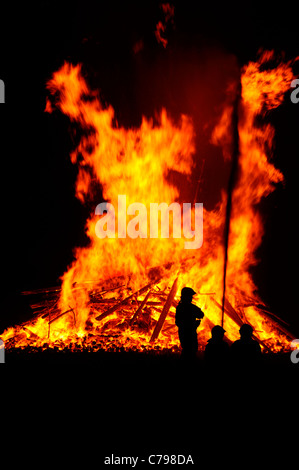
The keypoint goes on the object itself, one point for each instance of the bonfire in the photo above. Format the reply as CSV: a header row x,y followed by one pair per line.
x,y
121,292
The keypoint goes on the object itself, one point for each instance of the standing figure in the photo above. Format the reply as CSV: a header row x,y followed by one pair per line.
x,y
217,350
187,319
246,351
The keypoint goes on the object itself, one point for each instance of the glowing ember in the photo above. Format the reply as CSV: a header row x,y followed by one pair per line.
x,y
114,292
168,11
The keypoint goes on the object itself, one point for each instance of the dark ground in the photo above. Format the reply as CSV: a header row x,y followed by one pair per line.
x,y
131,360
79,408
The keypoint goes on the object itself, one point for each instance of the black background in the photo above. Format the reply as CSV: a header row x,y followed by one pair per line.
x,y
41,220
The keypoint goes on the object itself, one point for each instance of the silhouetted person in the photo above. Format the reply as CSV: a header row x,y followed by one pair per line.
x,y
188,317
246,351
217,350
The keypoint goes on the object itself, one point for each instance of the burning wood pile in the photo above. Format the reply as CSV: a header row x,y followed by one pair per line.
x,y
113,295
122,320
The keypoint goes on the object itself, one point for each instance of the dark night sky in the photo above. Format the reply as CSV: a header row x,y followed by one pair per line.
x,y
41,219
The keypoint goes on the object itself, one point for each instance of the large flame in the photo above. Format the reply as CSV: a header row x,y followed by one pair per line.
x,y
139,163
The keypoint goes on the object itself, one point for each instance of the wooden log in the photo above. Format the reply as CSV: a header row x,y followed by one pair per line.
x,y
58,316
157,309
102,292
270,314
47,312
74,315
39,306
139,309
136,299
152,303
277,325
230,312
102,301
165,311
123,302
47,290
47,307
208,322
33,336
169,328
132,301
82,285
15,339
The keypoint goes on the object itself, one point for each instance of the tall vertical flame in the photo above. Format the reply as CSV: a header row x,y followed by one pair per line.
x,y
139,163
135,163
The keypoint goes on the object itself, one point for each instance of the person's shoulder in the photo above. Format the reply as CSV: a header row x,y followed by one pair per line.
x,y
256,344
236,343
196,309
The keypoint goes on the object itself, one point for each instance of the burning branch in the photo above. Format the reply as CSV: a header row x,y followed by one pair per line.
x,y
139,309
122,303
165,311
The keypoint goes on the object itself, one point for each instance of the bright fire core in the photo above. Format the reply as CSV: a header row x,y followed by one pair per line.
x,y
116,289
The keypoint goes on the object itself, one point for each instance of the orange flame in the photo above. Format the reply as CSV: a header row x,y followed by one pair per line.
x,y
138,163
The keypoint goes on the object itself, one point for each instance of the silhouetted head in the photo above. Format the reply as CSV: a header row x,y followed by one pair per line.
x,y
217,332
187,294
246,331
